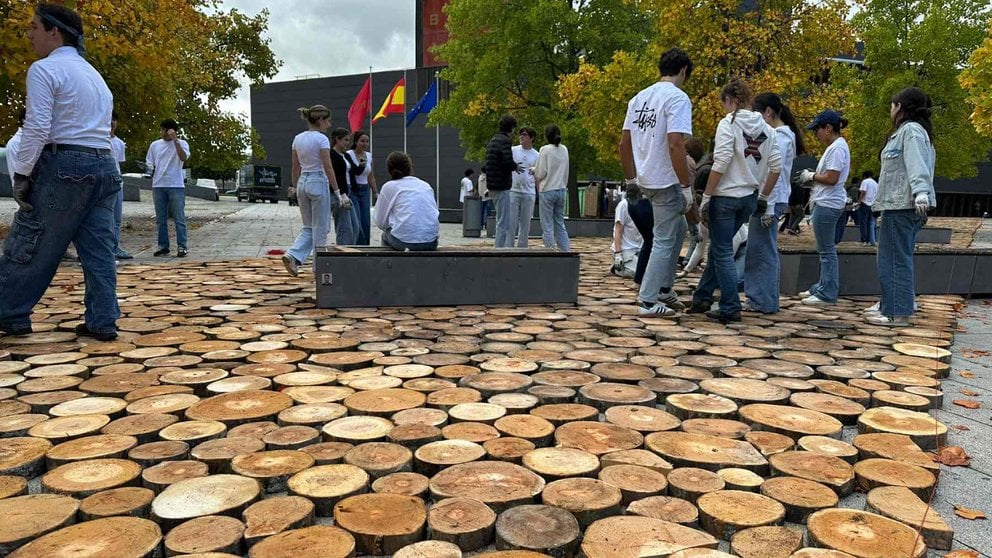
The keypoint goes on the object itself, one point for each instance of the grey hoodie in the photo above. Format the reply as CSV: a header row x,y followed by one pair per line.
x,y
908,161
745,151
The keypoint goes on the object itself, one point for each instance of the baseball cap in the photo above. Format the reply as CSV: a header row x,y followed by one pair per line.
x,y
826,117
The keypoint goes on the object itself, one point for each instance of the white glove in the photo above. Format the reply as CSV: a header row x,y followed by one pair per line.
x,y
687,194
767,220
806,176
630,181
704,206
922,203
345,201
617,260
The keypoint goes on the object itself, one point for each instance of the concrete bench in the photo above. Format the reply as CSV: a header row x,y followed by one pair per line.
x,y
349,277
576,228
927,235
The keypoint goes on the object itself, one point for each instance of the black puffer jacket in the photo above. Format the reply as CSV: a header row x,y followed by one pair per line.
x,y
499,163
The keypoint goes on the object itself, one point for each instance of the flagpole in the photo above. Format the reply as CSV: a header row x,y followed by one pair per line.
x,y
437,142
370,110
405,90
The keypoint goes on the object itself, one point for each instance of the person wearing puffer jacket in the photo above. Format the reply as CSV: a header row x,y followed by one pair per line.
x,y
746,158
905,195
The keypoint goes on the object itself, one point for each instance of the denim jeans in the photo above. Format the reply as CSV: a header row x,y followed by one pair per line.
x,y
345,222
643,257
841,225
313,195
896,241
867,223
726,215
824,228
667,205
73,195
396,244
553,219
501,200
762,266
361,197
521,212
170,202
118,220
487,208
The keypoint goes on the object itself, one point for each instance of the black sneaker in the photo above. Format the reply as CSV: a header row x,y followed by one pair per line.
x,y
10,331
723,318
161,252
699,307
182,253
81,329
122,255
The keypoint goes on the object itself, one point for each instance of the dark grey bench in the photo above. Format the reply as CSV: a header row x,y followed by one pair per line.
x,y
927,235
576,228
350,276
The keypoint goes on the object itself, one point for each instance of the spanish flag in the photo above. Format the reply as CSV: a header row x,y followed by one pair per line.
x,y
395,101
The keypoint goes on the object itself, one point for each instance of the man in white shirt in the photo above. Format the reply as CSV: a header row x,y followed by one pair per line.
x,y
165,161
119,148
866,219
13,143
65,181
626,242
467,189
523,193
653,155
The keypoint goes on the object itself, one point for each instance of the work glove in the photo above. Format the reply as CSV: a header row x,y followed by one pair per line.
x,y
767,220
22,188
345,201
617,260
704,209
806,177
922,204
762,205
687,194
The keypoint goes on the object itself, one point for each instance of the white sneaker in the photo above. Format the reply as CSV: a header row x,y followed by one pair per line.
x,y
657,309
291,265
873,310
893,321
814,300
805,294
671,300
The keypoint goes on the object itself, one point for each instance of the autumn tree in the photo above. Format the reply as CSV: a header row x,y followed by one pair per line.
x,y
976,80
922,43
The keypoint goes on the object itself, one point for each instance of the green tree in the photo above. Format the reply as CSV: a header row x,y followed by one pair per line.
x,y
508,56
922,43
976,80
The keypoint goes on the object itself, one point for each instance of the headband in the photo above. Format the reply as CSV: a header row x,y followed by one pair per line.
x,y
56,22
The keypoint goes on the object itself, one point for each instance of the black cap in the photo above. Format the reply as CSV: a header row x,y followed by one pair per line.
x,y
826,117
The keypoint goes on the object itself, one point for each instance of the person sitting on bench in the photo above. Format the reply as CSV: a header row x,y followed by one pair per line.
x,y
406,211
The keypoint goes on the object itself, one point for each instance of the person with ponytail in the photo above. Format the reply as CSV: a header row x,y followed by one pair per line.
x,y
828,199
762,266
364,187
346,223
312,176
905,195
551,174
746,159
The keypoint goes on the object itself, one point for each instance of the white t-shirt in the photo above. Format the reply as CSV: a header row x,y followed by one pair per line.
x,y
786,139
12,146
630,239
870,188
307,146
652,114
837,157
465,190
119,148
552,167
363,178
165,165
408,209
527,159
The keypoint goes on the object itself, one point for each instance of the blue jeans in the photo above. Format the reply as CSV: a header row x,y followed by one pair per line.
x,y
361,196
345,223
487,208
726,215
170,202
118,220
501,200
667,205
553,219
73,195
521,212
824,228
867,223
762,266
314,198
396,244
896,240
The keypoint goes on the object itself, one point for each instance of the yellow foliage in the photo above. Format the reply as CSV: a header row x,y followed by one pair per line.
x,y
976,80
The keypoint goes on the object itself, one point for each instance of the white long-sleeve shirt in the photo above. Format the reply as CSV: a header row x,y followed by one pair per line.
x,y
12,146
68,103
551,172
164,163
407,208
745,150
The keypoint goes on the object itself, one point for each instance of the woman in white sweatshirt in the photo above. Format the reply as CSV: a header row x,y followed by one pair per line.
x,y
745,158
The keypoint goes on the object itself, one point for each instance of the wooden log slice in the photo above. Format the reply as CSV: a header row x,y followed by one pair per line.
x,y
934,396
707,362
667,508
794,422
465,522
893,446
379,459
665,386
428,385
725,512
238,383
212,533
819,553
357,429
700,553
410,484
143,427
85,478
328,453
325,345
445,399
829,446
123,537
565,378
90,447
625,373
562,413
831,471
936,367
429,549
272,469
276,515
539,528
769,443
635,482
318,394
723,428
313,414
53,370
14,426
875,472
345,360
152,453
842,373
800,497
129,500
508,449
291,437
174,403
925,431
11,486
842,390
326,485
597,438
496,483
743,390
157,477
903,505
842,409
28,517
381,523
173,339
603,395
414,435
431,458
589,500
642,418
476,412
683,372
153,391
561,462
528,427
193,431
900,399
642,458
766,542
863,534
270,370
118,385
421,415
470,431
696,405
202,496
780,368
67,428
316,541
740,479
491,383
632,536
689,483
706,452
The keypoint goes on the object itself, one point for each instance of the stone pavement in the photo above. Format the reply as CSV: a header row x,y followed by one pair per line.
x,y
983,236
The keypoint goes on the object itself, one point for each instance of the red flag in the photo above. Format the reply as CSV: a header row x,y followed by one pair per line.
x,y
360,106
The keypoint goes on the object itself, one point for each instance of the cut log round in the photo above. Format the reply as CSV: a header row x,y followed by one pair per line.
x,y
528,427
743,391
110,406
632,536
166,473
28,517
143,427
831,471
800,497
561,413
863,534
212,495
498,484
667,508
381,523
151,453
465,522
430,417
642,418
212,533
561,462
410,484
193,431
291,437
725,512
217,454
689,483
84,478
444,399
276,515
901,399
766,542
90,447
508,449
700,553
539,528
587,499
168,403
893,446
706,452
357,429
635,482
740,479
769,443
476,412
414,435
829,446
14,426
791,421
11,486
477,432
62,429
384,402
123,537
603,395
723,428
641,457
842,409
925,431
901,504
597,438
317,541
326,485
379,459
240,407
552,394
272,468
328,453
876,472
696,405
431,458
128,500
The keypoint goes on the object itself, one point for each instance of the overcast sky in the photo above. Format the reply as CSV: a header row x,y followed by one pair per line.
x,y
332,37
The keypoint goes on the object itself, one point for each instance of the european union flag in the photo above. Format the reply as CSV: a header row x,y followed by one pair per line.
x,y
426,104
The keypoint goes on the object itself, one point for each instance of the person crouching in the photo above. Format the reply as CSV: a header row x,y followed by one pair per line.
x,y
406,211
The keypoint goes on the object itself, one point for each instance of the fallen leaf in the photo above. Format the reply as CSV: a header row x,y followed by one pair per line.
x,y
960,427
962,554
974,353
968,374
968,513
952,456
970,392
967,403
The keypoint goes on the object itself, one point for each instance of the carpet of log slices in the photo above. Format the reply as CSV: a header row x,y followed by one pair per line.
x,y
233,418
